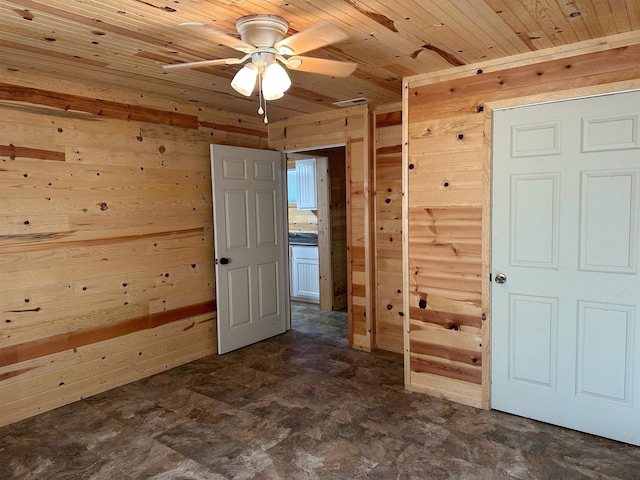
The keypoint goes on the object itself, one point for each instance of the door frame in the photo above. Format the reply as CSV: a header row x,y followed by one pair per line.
x,y
487,185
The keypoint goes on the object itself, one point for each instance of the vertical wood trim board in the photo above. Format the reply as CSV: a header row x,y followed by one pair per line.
x,y
324,232
106,233
447,176
369,242
406,334
486,259
350,295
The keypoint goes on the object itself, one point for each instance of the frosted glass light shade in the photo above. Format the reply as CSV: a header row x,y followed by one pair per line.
x,y
271,95
245,80
275,82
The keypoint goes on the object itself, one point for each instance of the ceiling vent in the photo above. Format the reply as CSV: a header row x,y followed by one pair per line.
x,y
350,103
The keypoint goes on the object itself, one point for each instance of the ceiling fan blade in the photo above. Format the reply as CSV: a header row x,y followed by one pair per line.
x,y
323,66
316,36
204,63
222,37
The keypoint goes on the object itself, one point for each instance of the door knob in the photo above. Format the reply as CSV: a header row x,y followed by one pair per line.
x,y
501,278
223,261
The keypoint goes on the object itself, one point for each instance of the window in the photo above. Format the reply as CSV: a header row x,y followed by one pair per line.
x,y
292,189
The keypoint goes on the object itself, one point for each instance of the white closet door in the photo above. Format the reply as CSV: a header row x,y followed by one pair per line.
x,y
565,340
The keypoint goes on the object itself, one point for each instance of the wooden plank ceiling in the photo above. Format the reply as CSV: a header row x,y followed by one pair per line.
x,y
123,43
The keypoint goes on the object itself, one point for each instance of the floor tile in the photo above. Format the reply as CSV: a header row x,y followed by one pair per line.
x,y
301,405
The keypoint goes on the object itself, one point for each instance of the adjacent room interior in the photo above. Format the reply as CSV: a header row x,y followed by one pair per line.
x,y
412,225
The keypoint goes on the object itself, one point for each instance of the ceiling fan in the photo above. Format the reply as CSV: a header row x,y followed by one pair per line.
x,y
262,40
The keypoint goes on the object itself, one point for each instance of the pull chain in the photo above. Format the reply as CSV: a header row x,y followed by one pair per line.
x,y
266,119
260,110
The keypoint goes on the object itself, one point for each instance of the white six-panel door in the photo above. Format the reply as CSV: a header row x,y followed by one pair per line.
x,y
565,339
252,293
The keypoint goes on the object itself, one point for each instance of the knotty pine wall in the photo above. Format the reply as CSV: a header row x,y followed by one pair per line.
x,y
337,209
305,221
447,127
388,227
106,238
350,127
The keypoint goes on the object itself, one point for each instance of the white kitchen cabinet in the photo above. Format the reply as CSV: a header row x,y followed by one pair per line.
x,y
306,184
305,273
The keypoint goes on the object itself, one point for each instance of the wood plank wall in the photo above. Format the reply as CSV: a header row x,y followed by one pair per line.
x,y
338,213
447,127
388,227
106,238
350,127
305,221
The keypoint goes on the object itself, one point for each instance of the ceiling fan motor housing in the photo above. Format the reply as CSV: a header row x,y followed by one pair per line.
x,y
262,30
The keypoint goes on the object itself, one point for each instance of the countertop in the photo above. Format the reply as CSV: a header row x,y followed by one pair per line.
x,y
303,238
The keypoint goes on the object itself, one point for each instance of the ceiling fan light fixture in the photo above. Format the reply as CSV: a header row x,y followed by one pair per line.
x,y
244,80
275,82
262,39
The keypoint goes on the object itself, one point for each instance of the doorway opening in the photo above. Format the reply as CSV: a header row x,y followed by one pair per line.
x,y
318,231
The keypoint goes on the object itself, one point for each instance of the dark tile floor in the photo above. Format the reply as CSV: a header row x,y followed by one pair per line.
x,y
299,406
